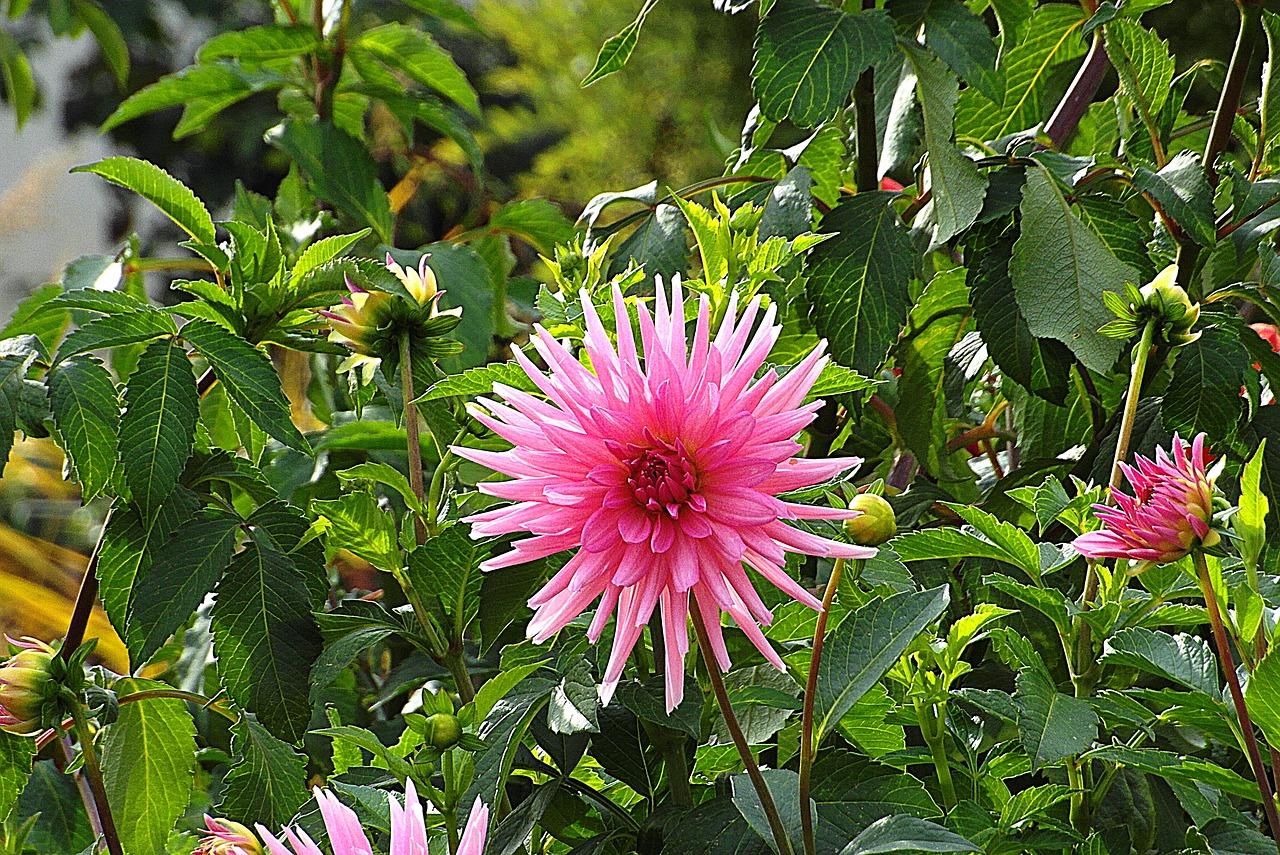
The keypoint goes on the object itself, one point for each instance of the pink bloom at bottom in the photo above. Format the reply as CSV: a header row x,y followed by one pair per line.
x,y
227,838
1168,514
663,474
408,829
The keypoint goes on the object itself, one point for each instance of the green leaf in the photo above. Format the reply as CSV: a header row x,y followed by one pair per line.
x,y
115,51
902,833
34,316
1184,194
617,49
835,379
86,409
116,330
657,245
271,41
357,523
1051,725
322,252
416,54
16,754
19,85
1250,522
809,55
1185,659
1018,549
268,782
1050,38
205,89
159,188
961,39
265,637
958,187
715,827
250,379
852,794
538,222
1173,767
503,730
865,645
448,567
387,475
1262,697
129,543
783,786
480,381
1120,230
13,373
1059,270
340,171
858,280
1204,394
181,573
1148,57
445,10
1227,837
159,422
1269,100
148,766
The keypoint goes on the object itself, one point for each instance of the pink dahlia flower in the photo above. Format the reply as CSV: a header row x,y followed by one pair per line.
x,y
1166,517
663,473
408,829
227,838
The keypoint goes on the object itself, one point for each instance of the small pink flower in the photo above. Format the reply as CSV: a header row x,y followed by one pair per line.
x,y
227,838
1167,516
473,835
663,474
26,686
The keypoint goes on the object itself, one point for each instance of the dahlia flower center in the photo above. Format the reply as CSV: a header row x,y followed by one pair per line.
x,y
663,479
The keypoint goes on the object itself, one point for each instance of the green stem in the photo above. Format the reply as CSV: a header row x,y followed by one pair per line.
x,y
780,839
1241,57
93,772
1078,811
200,700
413,435
1227,662
1140,355
807,748
933,727
457,664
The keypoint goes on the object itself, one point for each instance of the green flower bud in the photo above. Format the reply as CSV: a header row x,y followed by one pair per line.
x,y
443,730
27,688
1165,300
875,525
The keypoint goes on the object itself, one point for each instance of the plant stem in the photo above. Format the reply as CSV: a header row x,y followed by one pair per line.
x,y
1066,116
807,748
1237,695
200,700
867,176
1229,100
780,838
93,773
933,727
1140,355
414,437
457,665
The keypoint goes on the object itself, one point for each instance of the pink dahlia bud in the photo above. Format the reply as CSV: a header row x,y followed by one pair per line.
x,y
227,838
1167,516
26,687
357,319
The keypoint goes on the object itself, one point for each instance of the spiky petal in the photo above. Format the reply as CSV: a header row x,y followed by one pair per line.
x,y
663,473
1167,516
227,838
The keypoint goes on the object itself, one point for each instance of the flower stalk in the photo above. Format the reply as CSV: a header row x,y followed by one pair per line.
x,y
807,748
93,774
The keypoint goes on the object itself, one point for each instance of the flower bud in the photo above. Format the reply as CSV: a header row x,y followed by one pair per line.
x,y
227,838
876,524
443,730
1166,300
27,687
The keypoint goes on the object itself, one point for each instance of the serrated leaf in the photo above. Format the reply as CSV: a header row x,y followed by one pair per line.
x,y
16,754
340,171
111,42
270,41
86,409
1148,57
250,380
480,381
357,523
148,766
1184,194
503,729
958,187
657,245
1059,270
835,379
209,86
1052,725
617,49
961,39
268,783
1204,394
809,55
448,567
322,252
1250,522
1018,548
852,794
116,330
1262,697
717,828
158,425
181,573
783,787
1185,659
265,637
159,188
864,646
1050,37
538,222
858,280
1120,230
416,54
907,834
387,475
1269,99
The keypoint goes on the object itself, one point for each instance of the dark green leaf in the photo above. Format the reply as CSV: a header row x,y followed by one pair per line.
x,y
266,638
623,749
416,54
1204,394
448,567
502,730
115,51
205,89
1262,697
158,425
715,827
657,244
809,55
270,41
63,825
648,701
250,379
340,171
115,330
852,793
1148,74
907,834
183,571
160,189
16,754
268,782
1269,100
865,645
1052,725
1059,270
148,766
783,785
858,281
86,409
1184,194
19,85
963,41
1182,658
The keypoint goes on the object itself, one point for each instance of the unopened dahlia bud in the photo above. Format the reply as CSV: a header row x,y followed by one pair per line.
x,y
28,691
876,524
227,838
1166,299
356,321
443,730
